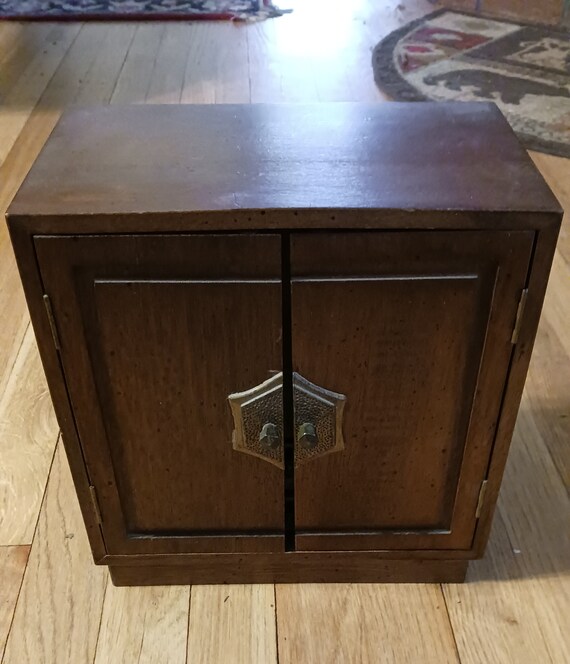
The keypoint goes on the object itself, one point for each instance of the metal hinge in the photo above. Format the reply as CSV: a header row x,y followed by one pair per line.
x,y
51,319
519,318
95,503
481,499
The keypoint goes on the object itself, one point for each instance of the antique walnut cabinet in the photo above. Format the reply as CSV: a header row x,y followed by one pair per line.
x,y
285,343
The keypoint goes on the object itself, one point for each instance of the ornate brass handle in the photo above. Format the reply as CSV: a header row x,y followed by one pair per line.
x,y
258,420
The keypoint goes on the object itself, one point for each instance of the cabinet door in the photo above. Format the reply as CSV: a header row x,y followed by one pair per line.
x,y
156,332
414,329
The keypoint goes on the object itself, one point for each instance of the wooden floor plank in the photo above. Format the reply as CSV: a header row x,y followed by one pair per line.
x,y
28,434
534,502
13,311
59,608
556,312
144,625
546,400
200,84
100,81
19,45
363,624
13,561
231,65
232,624
134,79
501,615
512,606
71,73
556,171
24,95
169,70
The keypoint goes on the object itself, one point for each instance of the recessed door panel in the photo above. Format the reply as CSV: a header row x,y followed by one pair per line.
x,y
156,333
414,329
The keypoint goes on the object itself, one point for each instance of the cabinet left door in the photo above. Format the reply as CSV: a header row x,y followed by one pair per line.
x,y
155,333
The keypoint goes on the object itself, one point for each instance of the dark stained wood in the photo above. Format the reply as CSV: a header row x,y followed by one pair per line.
x,y
542,261
415,329
145,311
158,160
340,567
161,559
263,220
155,333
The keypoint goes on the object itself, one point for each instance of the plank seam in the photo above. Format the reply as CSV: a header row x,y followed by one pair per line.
x,y
450,623
30,551
276,622
110,100
100,620
188,622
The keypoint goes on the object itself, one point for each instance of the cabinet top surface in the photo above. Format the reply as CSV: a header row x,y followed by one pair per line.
x,y
174,159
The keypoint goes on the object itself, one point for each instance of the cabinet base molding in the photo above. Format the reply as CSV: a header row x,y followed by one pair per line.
x,y
293,568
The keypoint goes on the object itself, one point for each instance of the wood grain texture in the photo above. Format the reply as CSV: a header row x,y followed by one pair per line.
x,y
219,76
340,59
144,625
98,84
78,78
299,567
133,81
546,402
19,45
167,79
59,609
175,442
336,160
410,319
556,310
535,504
511,607
232,623
365,624
13,560
556,172
28,434
24,95
505,614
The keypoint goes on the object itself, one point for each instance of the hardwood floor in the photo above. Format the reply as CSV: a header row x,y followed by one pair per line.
x,y
55,606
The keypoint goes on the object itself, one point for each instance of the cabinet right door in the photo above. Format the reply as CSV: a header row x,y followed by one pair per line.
x,y
414,329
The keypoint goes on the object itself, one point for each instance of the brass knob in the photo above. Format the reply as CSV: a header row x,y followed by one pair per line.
x,y
307,436
269,437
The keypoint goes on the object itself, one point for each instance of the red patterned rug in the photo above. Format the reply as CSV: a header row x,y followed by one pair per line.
x,y
137,10
524,69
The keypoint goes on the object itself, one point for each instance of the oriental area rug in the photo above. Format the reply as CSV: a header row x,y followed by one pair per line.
x,y
137,10
524,69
